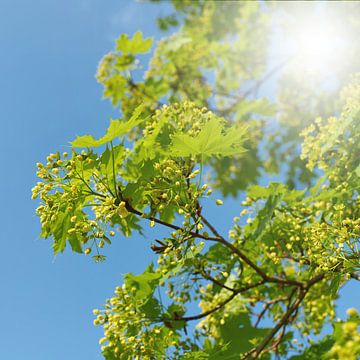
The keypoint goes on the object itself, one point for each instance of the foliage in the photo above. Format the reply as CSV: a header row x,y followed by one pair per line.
x,y
292,247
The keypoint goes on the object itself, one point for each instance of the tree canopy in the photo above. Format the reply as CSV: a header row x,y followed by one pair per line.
x,y
194,129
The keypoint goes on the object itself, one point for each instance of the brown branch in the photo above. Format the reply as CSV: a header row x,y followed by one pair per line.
x,y
132,210
220,239
256,351
206,313
237,291
261,272
275,345
216,282
301,287
242,256
267,306
211,227
355,276
284,320
218,306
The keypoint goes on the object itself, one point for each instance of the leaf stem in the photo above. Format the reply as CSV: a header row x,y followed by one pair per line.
x,y
113,166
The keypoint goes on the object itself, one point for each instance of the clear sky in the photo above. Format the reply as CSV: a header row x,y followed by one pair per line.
x,y
49,51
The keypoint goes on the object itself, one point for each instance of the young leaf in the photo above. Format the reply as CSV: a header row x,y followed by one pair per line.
x,y
60,232
136,45
357,171
212,140
260,106
238,333
148,147
261,192
144,283
265,215
117,128
176,42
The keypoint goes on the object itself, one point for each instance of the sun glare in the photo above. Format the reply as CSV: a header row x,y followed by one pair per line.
x,y
317,44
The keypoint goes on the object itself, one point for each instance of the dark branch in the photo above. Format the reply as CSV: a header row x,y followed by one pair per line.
x,y
218,306
291,310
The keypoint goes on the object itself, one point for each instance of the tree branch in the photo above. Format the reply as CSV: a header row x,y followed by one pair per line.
x,y
266,307
284,320
218,306
206,313
261,272
256,351
132,210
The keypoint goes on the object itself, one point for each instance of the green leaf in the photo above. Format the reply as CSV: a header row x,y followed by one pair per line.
x,y
116,129
214,351
60,229
314,190
75,244
239,334
357,171
264,215
127,225
115,88
185,262
109,354
144,283
149,147
335,285
274,193
175,42
151,308
136,45
315,352
212,140
109,160
216,252
259,106
340,129
197,355
294,195
260,192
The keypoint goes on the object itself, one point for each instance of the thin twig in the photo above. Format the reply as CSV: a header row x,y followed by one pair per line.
x,y
218,306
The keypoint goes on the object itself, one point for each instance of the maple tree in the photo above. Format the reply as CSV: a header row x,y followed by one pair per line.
x,y
269,286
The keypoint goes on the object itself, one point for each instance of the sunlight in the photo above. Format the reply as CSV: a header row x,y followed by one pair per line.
x,y
317,44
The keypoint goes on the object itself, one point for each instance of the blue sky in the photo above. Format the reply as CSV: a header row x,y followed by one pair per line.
x,y
48,95
49,54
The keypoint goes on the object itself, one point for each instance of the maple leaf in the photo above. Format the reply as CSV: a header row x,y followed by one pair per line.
x,y
116,129
212,140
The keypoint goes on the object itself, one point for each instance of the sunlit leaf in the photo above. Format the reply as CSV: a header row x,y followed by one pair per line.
x,y
136,45
116,129
212,140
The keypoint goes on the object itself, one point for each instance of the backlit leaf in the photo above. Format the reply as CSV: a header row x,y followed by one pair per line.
x,y
136,45
212,140
116,129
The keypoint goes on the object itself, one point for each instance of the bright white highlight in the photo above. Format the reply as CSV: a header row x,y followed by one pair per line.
x,y
316,44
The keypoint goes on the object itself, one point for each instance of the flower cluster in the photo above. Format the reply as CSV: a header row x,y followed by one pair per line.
x,y
69,187
347,338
